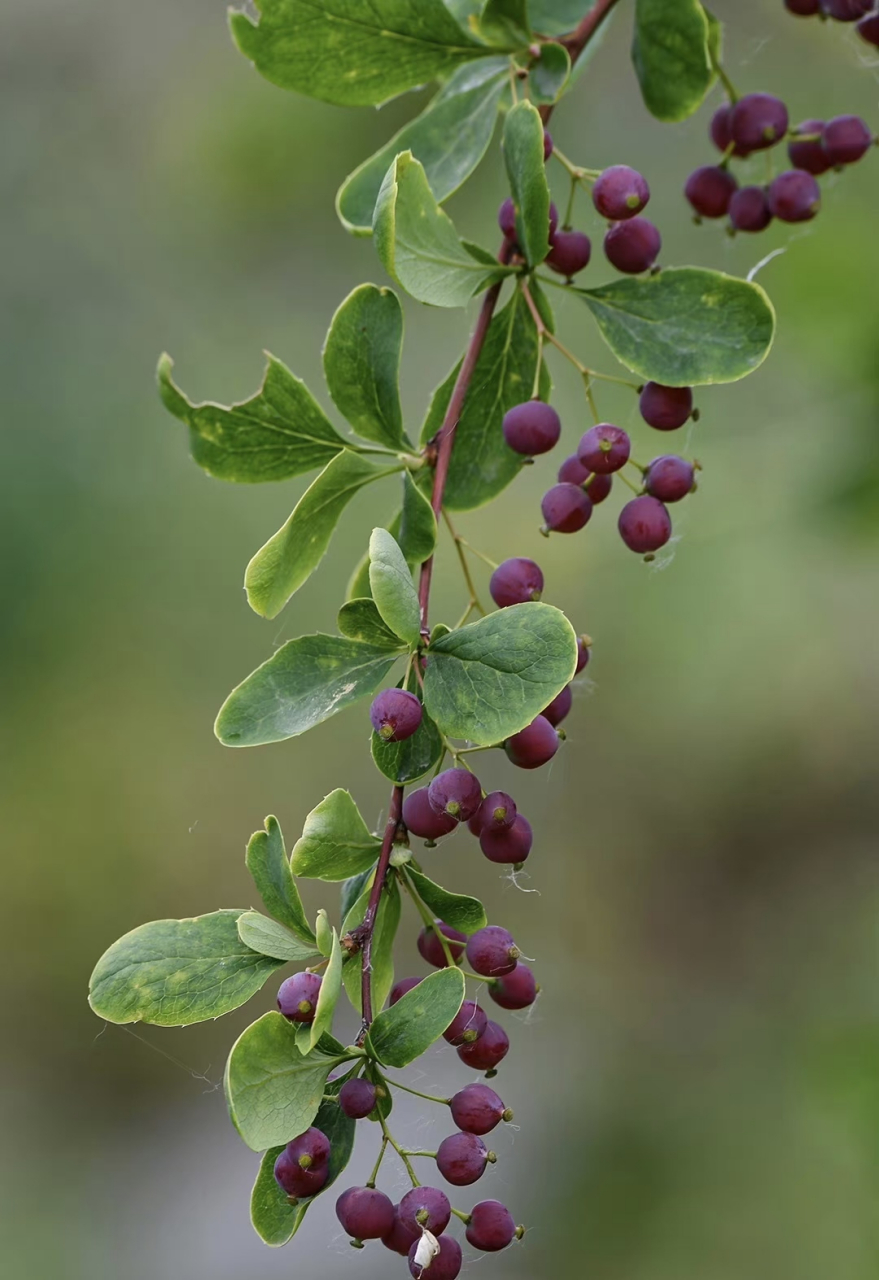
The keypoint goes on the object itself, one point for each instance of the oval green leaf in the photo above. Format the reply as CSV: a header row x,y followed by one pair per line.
x,y
670,53
526,170
362,364
270,938
335,842
456,909
402,1033
390,581
266,860
359,619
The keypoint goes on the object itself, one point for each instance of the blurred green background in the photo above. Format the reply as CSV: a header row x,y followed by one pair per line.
x,y
698,1086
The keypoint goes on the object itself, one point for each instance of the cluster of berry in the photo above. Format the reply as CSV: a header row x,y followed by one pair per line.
x,y
864,12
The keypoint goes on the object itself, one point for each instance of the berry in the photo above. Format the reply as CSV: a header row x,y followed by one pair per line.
x,y
506,218
534,745
497,812
604,448
445,1265
620,192
461,1159
401,988
721,131
425,1208
302,1167
365,1213
532,428
572,471
846,139
644,524
431,949
492,952
632,247
669,478
794,196
297,996
516,990
478,1109
803,8
868,28
455,793
400,1239
749,209
846,10
565,508
491,1226
582,654
516,581
808,155
547,145
570,252
665,408
758,121
422,819
597,488
512,844
559,707
467,1026
486,1052
709,190
395,715
357,1098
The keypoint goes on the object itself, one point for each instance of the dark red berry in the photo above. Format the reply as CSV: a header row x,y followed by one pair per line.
x,y
570,252
516,990
758,120
583,653
516,581
553,219
846,10
534,745
477,1109
669,478
431,948
486,1052
632,247
491,1226
846,139
474,824
644,524
749,209
665,408
302,1168
803,8
572,471
709,190
559,707
456,793
532,428
357,1098
721,131
365,1213
445,1265
425,1208
868,29
794,196
402,987
497,812
506,219
808,154
620,192
400,1239
509,845
492,952
547,145
565,508
597,488
423,820
468,1024
461,1159
297,997
604,448
395,715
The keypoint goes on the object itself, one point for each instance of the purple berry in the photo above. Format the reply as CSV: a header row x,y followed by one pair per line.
x,y
445,1265
570,252
357,1098
492,952
461,1159
868,29
669,478
395,715
846,10
516,990
547,145
510,845
365,1213
302,1168
749,209
402,988
721,131
489,1050
297,997
619,193
532,428
467,1026
534,745
455,793
597,488
846,139
477,1109
632,247
431,949
516,581
565,508
665,408
803,8
425,1208
709,190
497,812
604,448
808,155
559,707
400,1239
644,524
506,219
794,196
491,1226
572,471
422,819
758,120
583,653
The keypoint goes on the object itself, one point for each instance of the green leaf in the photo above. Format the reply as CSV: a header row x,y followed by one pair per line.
x,y
266,860
335,842
174,972
386,923
418,244
407,761
302,684
416,533
323,931
505,22
290,557
359,619
328,998
279,433
402,1033
670,53
450,137
550,74
351,891
270,938
556,17
272,1090
455,909
362,364
715,38
490,679
685,326
526,170
392,590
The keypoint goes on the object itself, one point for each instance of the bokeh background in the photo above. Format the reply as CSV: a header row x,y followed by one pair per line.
x,y
698,1086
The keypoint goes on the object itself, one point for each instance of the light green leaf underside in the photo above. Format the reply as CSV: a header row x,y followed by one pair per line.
x,y
390,581
270,938
335,842
402,1033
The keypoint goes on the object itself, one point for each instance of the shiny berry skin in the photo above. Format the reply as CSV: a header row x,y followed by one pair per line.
x,y
632,247
467,1026
604,448
302,1168
357,1098
431,949
803,8
477,1109
491,1226
446,1265
422,819
297,997
846,139
794,196
497,811
490,1049
868,29
665,408
461,1159
583,654
516,581
565,508
532,428
809,155
510,845
721,131
846,10
534,745
619,193
644,524
395,715
572,471
559,707
425,1207
570,253
492,952
400,1239
456,793
749,209
547,145
402,988
365,1213
709,190
758,120
669,478
516,990
506,219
